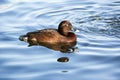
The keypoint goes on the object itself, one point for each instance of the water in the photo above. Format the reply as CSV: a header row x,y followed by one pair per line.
x,y
98,40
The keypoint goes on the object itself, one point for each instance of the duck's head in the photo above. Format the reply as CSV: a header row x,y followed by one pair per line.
x,y
65,27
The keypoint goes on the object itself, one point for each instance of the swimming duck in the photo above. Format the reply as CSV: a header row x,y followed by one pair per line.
x,y
61,35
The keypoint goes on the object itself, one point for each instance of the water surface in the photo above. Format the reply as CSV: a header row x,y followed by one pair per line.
x,y
98,40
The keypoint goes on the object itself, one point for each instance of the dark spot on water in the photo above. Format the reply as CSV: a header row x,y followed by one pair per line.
x,y
64,71
63,59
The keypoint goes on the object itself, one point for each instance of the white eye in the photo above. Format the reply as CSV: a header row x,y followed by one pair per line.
x,y
67,25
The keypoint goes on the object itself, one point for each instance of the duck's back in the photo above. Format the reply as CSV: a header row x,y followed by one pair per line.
x,y
45,35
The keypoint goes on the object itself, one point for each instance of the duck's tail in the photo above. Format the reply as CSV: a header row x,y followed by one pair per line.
x,y
23,38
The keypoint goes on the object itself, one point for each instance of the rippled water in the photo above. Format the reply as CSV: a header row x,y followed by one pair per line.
x,y
98,40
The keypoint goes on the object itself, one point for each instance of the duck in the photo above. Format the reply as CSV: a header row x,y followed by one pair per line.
x,y
64,34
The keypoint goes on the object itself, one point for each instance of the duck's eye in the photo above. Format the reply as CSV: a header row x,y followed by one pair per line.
x,y
67,25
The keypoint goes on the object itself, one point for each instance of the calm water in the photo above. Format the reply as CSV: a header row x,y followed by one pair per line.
x,y
98,40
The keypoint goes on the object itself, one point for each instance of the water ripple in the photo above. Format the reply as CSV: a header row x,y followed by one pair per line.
x,y
97,26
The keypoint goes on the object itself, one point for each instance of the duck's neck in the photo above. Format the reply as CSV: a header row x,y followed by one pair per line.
x,y
71,36
62,32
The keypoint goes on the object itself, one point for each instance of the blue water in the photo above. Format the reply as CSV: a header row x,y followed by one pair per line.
x,y
98,40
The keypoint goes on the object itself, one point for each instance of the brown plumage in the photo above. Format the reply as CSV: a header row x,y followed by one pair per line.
x,y
51,36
